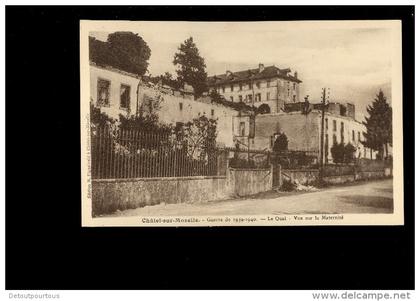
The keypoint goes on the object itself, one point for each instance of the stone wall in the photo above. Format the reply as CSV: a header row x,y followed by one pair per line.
x,y
367,175
121,194
244,182
333,175
339,179
303,176
302,131
109,195
339,169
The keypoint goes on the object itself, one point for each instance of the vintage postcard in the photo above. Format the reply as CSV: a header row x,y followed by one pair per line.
x,y
241,123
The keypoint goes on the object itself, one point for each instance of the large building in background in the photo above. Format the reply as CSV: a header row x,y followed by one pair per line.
x,y
269,85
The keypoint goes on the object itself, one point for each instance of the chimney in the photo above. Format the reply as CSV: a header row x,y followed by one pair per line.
x,y
296,74
351,110
260,67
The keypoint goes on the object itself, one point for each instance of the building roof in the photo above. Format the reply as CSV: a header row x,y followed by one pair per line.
x,y
251,74
235,106
113,69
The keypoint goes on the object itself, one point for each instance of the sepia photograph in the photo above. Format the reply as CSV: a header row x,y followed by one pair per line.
x,y
241,123
162,150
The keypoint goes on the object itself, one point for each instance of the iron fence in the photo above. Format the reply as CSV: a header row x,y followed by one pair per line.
x,y
288,159
117,153
125,153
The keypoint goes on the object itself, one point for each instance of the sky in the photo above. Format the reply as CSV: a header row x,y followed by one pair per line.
x,y
353,59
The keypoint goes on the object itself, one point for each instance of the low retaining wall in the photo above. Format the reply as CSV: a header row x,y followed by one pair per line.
x,y
109,195
249,181
366,175
310,176
121,194
339,179
303,176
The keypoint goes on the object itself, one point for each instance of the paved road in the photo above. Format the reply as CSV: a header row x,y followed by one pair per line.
x,y
365,197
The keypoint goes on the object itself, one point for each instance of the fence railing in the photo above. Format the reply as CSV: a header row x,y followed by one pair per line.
x,y
288,159
125,153
139,154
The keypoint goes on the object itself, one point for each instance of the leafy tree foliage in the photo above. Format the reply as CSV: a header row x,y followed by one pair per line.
x,y
147,118
263,109
99,52
378,125
145,123
281,143
123,50
191,66
216,96
343,153
337,152
349,151
166,79
199,134
98,118
150,107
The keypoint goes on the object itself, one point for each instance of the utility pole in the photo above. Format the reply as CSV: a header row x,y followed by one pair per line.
x,y
248,148
321,160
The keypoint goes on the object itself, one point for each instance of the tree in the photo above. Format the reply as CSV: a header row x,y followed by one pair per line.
x,y
337,152
99,52
143,123
200,136
147,119
168,80
369,141
101,125
349,151
123,50
191,67
342,153
263,109
98,118
378,125
150,107
389,130
165,79
281,143
216,96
